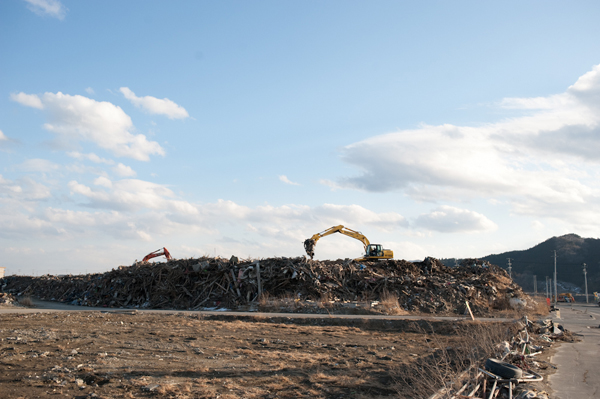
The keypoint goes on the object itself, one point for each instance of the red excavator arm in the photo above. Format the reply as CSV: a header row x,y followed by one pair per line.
x,y
156,253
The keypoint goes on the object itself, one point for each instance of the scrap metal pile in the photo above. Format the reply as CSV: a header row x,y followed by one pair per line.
x,y
197,283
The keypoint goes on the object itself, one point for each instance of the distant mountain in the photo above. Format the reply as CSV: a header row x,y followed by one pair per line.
x,y
572,251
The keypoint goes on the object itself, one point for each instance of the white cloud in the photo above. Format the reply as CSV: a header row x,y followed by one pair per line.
x,y
103,181
8,187
536,103
90,91
24,225
287,222
332,185
408,250
282,229
28,100
112,223
52,8
77,118
356,215
37,166
537,225
448,219
90,157
587,88
124,171
545,160
133,195
2,136
284,179
155,105
141,211
322,216
23,189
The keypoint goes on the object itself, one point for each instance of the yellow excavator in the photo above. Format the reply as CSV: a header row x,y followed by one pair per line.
x,y
372,251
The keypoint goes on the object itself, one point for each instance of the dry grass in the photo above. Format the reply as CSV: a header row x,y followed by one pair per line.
x,y
167,389
540,306
442,367
26,301
265,300
325,302
390,304
535,308
267,303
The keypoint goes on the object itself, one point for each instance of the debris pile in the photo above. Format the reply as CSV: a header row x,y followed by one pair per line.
x,y
7,299
196,283
516,371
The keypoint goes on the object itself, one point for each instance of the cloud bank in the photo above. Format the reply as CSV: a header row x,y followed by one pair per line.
x,y
78,118
544,160
141,210
449,219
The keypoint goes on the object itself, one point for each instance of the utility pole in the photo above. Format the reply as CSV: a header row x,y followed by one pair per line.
x,y
585,276
535,284
509,268
555,285
547,286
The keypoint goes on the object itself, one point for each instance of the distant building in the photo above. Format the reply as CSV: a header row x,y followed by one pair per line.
x,y
2,271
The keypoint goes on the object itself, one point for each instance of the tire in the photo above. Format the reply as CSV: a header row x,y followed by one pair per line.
x,y
503,369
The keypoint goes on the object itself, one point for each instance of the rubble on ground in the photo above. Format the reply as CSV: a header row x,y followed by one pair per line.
x,y
197,283
516,370
8,300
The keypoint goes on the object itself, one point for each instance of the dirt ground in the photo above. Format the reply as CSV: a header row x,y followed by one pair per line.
x,y
137,354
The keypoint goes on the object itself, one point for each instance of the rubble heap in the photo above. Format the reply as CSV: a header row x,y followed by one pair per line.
x,y
7,299
197,283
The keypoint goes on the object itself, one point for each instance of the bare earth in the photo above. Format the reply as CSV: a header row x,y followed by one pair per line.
x,y
135,354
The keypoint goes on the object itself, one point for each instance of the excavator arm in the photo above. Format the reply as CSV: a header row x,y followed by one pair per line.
x,y
156,253
309,244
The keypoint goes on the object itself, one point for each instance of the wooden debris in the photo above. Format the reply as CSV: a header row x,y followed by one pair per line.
x,y
197,283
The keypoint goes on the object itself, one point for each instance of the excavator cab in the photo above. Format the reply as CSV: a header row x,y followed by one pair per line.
x,y
374,250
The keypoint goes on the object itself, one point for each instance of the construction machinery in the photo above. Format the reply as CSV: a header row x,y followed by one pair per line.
x,y
566,297
372,251
158,252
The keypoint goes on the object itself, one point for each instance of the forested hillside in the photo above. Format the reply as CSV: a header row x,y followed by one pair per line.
x,y
572,251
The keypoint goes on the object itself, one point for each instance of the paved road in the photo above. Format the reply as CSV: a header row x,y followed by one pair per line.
x,y
578,373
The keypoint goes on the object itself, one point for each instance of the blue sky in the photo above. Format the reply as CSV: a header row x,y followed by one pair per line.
x,y
444,129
